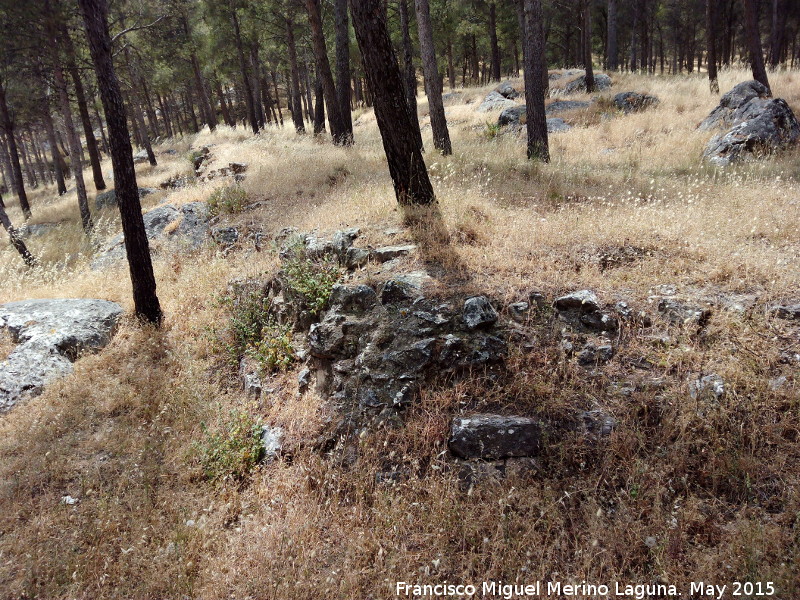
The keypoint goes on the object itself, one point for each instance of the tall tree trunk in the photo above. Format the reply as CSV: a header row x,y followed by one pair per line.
x,y
754,42
274,79
451,69
255,68
37,156
226,115
410,74
341,23
100,127
16,169
309,95
395,122
433,83
711,45
587,46
136,245
16,241
295,106
237,36
493,41
319,110
534,92
613,49
23,151
339,131
51,140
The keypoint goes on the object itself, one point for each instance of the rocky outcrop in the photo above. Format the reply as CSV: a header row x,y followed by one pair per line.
x,y
741,94
109,198
761,127
507,90
565,105
186,226
487,437
515,117
582,311
50,335
495,101
630,102
576,86
786,311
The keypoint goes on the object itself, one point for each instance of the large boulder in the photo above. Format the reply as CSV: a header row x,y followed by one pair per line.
x,y
741,94
565,105
507,90
601,82
513,115
109,197
582,311
495,101
488,436
629,102
50,336
761,127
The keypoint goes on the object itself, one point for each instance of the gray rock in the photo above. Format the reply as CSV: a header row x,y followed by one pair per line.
x,y
352,299
250,378
488,436
556,125
762,127
582,311
519,311
708,386
740,95
387,253
356,257
507,90
568,73
225,236
513,115
565,105
593,355
479,312
601,82
683,313
598,422
629,102
271,442
304,379
495,101
343,240
140,157
51,335
786,311
36,229
397,291
109,197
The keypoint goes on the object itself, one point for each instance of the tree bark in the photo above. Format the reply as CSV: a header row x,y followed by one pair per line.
x,y
395,122
711,45
493,41
16,241
319,109
95,15
295,108
534,92
226,115
339,131
51,140
16,169
237,36
587,46
433,83
754,42
410,74
342,26
613,48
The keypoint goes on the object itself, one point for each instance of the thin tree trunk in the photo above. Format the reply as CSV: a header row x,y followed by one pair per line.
x,y
754,42
433,83
493,41
37,157
613,49
319,111
711,45
16,241
395,122
226,115
51,139
343,64
136,245
587,46
237,36
410,74
534,93
100,126
297,115
13,154
338,128
309,95
27,163
274,79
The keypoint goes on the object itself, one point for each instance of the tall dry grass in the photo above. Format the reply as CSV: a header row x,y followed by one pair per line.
x,y
681,491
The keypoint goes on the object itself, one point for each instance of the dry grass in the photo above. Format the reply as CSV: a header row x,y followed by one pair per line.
x,y
715,485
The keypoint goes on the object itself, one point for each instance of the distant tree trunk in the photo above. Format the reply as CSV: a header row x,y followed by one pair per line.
x,y
754,42
51,140
613,49
248,92
95,15
587,46
395,122
16,169
23,151
37,156
339,131
319,109
451,69
410,74
274,79
711,44
255,68
777,33
493,41
309,95
342,25
226,115
433,83
297,114
534,92
16,241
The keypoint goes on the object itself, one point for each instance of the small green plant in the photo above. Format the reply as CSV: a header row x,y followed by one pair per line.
x,y
274,351
312,280
249,314
227,200
231,448
492,130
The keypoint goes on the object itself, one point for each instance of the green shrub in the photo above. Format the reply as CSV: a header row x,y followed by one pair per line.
x,y
274,351
492,130
312,280
231,448
249,314
227,200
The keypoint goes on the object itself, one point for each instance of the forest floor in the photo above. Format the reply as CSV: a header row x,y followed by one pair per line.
x,y
625,208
